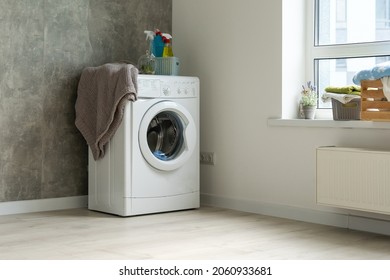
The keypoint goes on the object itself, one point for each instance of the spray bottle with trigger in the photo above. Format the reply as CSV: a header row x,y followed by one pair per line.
x,y
156,43
147,63
167,52
149,39
160,43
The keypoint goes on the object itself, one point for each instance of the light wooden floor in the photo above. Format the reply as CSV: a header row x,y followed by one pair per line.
x,y
206,233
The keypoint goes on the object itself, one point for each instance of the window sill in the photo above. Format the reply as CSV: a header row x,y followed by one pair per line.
x,y
328,123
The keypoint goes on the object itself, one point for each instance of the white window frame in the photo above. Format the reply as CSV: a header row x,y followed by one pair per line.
x,y
334,51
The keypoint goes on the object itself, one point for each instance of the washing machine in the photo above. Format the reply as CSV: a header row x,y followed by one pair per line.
x,y
151,164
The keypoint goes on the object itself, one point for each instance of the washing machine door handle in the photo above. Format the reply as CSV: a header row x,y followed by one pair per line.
x,y
182,133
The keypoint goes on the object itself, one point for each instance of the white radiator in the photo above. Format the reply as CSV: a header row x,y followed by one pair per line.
x,y
354,179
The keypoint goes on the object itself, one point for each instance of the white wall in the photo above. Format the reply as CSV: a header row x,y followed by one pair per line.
x,y
235,47
293,55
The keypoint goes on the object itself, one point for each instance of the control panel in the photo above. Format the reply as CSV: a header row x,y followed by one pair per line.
x,y
167,87
179,88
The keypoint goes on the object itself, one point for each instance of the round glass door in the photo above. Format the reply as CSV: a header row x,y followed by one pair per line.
x,y
167,135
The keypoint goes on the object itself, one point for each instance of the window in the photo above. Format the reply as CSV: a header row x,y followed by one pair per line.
x,y
383,18
346,37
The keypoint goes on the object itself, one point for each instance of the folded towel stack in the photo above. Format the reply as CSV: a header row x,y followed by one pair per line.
x,y
380,71
343,98
343,94
344,90
377,72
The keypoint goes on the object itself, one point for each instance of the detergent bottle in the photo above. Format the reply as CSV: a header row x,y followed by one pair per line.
x,y
167,52
158,43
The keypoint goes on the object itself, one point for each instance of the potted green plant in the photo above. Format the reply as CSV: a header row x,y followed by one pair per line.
x,y
308,101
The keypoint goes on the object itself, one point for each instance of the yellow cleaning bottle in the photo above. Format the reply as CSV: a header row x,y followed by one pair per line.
x,y
167,52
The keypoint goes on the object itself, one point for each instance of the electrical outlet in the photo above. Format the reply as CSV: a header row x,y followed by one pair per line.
x,y
207,158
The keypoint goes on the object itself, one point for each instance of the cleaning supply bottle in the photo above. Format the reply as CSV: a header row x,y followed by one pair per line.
x,y
158,44
149,40
147,63
167,52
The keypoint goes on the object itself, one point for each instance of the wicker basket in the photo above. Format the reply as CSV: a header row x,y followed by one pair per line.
x,y
375,106
347,111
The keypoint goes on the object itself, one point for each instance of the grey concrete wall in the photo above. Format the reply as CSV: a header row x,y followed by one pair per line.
x,y
44,45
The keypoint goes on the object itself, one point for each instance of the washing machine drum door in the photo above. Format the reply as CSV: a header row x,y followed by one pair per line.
x,y
167,136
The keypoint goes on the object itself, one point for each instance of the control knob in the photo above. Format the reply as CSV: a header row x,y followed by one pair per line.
x,y
166,91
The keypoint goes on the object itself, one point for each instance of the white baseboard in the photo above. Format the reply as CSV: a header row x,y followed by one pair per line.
x,y
282,211
301,214
38,205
